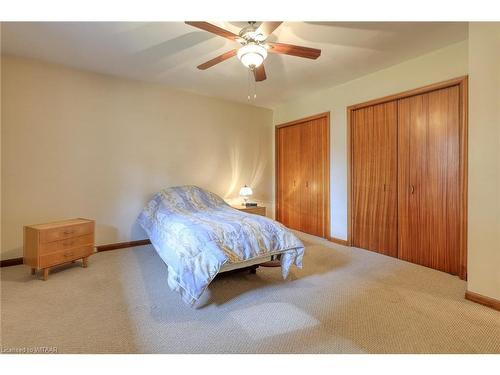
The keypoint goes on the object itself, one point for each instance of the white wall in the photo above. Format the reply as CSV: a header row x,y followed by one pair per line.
x,y
484,160
79,144
0,141
438,66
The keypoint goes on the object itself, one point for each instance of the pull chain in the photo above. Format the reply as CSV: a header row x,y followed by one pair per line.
x,y
252,86
248,84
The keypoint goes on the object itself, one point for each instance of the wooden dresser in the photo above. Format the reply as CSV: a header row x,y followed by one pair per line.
x,y
257,210
51,244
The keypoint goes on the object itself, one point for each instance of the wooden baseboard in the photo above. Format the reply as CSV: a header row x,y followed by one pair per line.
x,y
11,262
111,246
122,245
483,300
338,240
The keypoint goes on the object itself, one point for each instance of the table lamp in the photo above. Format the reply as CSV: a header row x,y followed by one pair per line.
x,y
245,192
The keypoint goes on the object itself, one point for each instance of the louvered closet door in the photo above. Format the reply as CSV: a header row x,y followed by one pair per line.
x,y
289,177
429,179
374,168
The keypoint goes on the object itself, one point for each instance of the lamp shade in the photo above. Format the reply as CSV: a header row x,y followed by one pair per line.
x,y
246,191
252,55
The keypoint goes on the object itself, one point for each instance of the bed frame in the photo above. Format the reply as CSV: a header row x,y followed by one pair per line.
x,y
251,265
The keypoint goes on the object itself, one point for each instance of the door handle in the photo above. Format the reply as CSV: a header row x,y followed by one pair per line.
x,y
307,184
384,188
412,189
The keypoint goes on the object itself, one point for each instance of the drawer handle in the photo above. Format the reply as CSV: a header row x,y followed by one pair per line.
x,y
68,254
68,243
68,231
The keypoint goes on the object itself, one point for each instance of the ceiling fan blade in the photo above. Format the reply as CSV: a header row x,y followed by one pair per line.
x,y
260,73
213,29
290,49
267,28
217,60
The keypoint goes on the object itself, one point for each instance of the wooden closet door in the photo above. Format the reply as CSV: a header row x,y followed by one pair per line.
x,y
289,177
374,168
312,165
303,175
429,186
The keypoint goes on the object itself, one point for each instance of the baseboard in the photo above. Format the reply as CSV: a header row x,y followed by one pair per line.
x,y
483,300
11,262
122,245
111,246
338,240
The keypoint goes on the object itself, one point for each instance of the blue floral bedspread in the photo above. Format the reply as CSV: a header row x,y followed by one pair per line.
x,y
195,233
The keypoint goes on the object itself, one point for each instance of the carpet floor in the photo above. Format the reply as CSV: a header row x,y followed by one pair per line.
x,y
344,300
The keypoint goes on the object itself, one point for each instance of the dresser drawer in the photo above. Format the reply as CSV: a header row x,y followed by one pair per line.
x,y
256,211
68,243
56,234
65,256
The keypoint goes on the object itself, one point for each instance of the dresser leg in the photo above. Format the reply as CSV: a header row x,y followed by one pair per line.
x,y
33,271
85,262
45,274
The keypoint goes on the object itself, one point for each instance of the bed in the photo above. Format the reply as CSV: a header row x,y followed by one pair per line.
x,y
198,235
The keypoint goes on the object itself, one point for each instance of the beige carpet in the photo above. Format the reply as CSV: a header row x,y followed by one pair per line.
x,y
345,300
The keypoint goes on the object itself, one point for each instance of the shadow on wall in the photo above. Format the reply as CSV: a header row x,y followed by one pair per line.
x,y
243,163
234,162
258,166
254,175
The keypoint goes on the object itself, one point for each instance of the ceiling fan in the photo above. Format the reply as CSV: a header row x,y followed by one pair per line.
x,y
254,46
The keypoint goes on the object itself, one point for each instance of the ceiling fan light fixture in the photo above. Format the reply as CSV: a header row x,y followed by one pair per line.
x,y
252,55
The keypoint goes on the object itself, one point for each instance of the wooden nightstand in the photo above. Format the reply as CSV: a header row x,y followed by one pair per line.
x,y
257,210
51,244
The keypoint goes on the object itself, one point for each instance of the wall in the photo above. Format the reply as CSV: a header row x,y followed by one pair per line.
x,y
484,160
0,141
79,144
438,66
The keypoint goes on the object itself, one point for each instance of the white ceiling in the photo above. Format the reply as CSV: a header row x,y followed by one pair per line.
x,y
168,52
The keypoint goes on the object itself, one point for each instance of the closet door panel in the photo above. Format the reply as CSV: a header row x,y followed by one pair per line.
x,y
429,179
385,121
362,148
443,179
404,190
413,221
453,179
313,164
321,178
374,158
281,186
302,175
308,200
290,177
